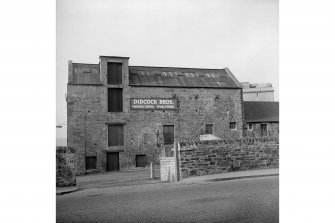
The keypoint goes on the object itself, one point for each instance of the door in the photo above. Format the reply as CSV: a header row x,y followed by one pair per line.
x,y
113,161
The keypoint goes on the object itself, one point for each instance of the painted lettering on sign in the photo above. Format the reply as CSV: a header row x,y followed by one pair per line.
x,y
152,103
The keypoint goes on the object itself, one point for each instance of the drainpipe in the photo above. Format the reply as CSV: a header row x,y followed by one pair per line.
x,y
85,142
242,110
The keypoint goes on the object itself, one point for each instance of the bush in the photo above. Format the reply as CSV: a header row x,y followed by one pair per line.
x,y
65,176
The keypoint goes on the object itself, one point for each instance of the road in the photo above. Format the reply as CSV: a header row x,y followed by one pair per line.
x,y
244,200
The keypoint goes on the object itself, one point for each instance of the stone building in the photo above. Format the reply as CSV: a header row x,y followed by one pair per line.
x,y
122,117
261,119
257,92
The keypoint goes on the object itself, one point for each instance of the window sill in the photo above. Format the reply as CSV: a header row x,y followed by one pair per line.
x,y
115,85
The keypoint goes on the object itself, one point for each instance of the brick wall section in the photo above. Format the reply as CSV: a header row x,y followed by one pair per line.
x,y
167,168
202,158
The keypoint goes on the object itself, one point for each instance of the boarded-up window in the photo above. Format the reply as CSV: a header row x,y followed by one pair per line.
x,y
115,135
209,128
141,161
264,129
232,125
115,100
114,73
168,133
91,162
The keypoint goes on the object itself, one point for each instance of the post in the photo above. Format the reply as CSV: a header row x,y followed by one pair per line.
x,y
152,170
176,158
85,143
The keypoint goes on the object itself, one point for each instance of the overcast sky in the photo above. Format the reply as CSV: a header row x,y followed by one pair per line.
x,y
239,34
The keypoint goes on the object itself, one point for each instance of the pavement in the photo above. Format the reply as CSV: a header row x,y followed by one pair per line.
x,y
232,175
65,190
136,178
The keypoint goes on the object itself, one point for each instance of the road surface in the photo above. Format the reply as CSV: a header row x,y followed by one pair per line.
x,y
244,200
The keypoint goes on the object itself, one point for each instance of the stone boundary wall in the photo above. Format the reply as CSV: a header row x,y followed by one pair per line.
x,y
65,167
202,158
167,168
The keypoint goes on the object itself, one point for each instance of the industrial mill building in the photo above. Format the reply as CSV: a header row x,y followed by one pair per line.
x,y
123,117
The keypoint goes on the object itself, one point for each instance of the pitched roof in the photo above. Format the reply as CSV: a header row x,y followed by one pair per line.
x,y
182,77
261,111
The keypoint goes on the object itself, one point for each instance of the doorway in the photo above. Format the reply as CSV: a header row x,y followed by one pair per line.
x,y
113,161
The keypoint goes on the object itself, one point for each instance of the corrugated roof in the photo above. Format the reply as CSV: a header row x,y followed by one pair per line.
x,y
261,111
182,77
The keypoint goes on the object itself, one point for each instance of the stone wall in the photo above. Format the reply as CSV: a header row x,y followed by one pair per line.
x,y
202,158
88,121
88,117
167,168
65,168
84,73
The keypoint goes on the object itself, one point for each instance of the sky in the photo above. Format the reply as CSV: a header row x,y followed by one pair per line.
x,y
242,35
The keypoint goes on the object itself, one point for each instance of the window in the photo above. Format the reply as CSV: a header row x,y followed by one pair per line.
x,y
91,162
209,128
250,126
141,161
168,133
115,135
232,125
114,73
264,129
115,100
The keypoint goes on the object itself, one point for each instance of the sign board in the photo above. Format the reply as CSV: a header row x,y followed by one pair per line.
x,y
153,103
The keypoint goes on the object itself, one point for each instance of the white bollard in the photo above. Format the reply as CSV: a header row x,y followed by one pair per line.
x,y
152,170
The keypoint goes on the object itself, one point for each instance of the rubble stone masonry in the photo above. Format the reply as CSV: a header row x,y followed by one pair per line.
x,y
88,117
202,158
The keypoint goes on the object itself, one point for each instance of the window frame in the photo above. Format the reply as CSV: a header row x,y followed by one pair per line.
x,y
164,141
86,162
108,131
252,127
235,126
145,158
266,130
121,100
109,77
211,125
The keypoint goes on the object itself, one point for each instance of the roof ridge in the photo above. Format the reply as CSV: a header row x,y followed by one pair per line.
x,y
225,68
